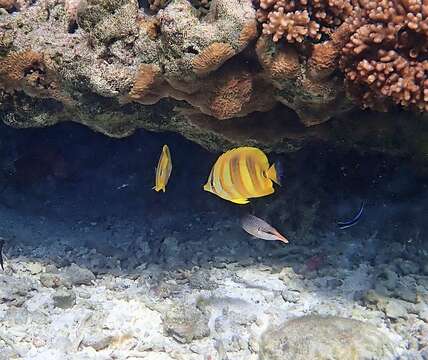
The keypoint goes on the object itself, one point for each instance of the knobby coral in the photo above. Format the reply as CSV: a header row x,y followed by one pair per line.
x,y
297,20
381,46
386,59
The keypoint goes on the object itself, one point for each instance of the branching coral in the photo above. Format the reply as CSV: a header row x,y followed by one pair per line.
x,y
296,20
300,51
385,62
71,9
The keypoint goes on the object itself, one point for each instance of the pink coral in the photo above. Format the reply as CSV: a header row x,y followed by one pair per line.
x,y
295,20
385,60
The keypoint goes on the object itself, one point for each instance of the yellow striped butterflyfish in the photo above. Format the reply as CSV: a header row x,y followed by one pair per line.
x,y
163,170
242,173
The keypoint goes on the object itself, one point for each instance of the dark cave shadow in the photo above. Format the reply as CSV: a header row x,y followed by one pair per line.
x,y
95,192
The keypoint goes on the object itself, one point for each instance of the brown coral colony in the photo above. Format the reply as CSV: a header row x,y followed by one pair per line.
x,y
382,54
297,20
385,60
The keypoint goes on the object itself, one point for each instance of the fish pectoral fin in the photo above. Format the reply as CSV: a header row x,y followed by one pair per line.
x,y
240,201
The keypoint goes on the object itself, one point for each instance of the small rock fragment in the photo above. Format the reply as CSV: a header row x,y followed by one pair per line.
x,y
290,296
408,267
34,268
15,290
389,279
78,275
406,293
394,309
186,323
324,338
64,299
53,280
98,341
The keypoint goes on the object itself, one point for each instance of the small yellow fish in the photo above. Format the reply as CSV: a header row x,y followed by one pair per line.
x,y
240,174
163,170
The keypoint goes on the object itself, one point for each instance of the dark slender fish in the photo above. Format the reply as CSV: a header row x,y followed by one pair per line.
x,y
1,253
347,224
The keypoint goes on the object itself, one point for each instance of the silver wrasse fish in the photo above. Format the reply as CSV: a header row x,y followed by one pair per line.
x,y
261,229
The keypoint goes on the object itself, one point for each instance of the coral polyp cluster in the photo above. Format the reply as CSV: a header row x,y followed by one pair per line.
x,y
297,20
379,45
385,60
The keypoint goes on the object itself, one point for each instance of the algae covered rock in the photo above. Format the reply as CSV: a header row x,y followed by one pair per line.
x,y
325,338
186,323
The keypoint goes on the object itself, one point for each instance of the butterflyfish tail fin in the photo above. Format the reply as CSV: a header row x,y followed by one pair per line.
x,y
275,173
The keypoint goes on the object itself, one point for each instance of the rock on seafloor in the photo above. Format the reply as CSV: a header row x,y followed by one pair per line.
x,y
325,338
186,323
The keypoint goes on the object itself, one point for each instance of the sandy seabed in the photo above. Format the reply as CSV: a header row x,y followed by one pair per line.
x,y
99,266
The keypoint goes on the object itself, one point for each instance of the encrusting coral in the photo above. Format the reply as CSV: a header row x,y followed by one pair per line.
x,y
212,58
32,73
15,67
229,93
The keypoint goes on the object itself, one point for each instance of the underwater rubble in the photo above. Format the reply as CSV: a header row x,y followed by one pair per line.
x,y
221,72
212,306
97,270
